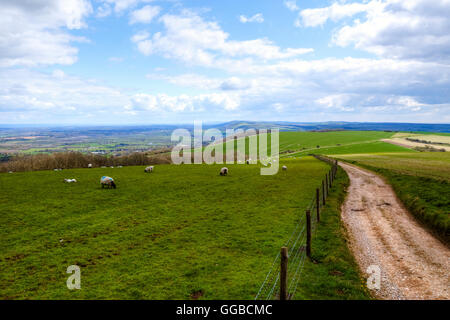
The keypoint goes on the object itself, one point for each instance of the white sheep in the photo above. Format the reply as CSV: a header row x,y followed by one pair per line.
x,y
107,181
70,180
90,165
284,168
149,169
224,171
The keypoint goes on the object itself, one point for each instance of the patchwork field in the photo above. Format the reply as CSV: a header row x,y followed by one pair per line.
x,y
182,232
434,142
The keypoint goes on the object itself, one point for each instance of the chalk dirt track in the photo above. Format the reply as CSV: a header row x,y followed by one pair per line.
x,y
414,264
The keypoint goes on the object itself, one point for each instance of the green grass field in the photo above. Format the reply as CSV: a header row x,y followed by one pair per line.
x,y
310,140
333,142
178,232
420,180
185,232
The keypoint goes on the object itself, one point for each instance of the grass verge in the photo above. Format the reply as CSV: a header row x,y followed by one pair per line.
x,y
332,273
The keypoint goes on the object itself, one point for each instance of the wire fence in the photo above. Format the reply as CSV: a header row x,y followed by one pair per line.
x,y
298,245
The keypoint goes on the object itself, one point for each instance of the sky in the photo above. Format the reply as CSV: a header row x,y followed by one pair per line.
x,y
173,61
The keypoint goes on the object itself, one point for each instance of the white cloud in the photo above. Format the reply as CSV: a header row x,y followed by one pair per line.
x,y
121,5
144,15
413,29
28,95
103,10
255,18
335,12
35,92
182,103
37,34
355,87
291,5
187,37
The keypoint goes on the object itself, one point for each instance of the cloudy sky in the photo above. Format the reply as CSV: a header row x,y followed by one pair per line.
x,y
173,61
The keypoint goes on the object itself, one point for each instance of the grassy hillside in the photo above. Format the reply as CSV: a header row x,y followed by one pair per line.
x,y
336,142
308,140
356,148
178,233
420,180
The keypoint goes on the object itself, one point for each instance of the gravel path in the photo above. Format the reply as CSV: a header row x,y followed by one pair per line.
x,y
414,265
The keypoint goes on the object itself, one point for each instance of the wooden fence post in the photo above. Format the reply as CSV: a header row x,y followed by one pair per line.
x,y
283,273
323,192
308,233
335,168
327,183
318,204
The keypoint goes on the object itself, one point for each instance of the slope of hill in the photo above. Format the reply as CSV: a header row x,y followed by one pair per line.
x,y
179,232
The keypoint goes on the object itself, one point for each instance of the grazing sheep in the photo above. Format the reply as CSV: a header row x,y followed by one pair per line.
x,y
149,169
10,172
224,171
90,165
70,180
103,166
119,167
284,168
107,181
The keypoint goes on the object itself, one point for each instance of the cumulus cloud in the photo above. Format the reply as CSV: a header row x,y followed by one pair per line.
x,y
408,77
255,18
34,95
413,29
350,86
144,15
189,38
28,95
337,11
180,103
37,34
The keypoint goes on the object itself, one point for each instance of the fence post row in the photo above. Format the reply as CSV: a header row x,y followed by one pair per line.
x,y
326,186
283,273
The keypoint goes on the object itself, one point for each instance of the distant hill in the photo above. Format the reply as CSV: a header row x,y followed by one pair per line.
x,y
237,124
328,126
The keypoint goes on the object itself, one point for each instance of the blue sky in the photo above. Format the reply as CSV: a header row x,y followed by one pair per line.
x,y
143,61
